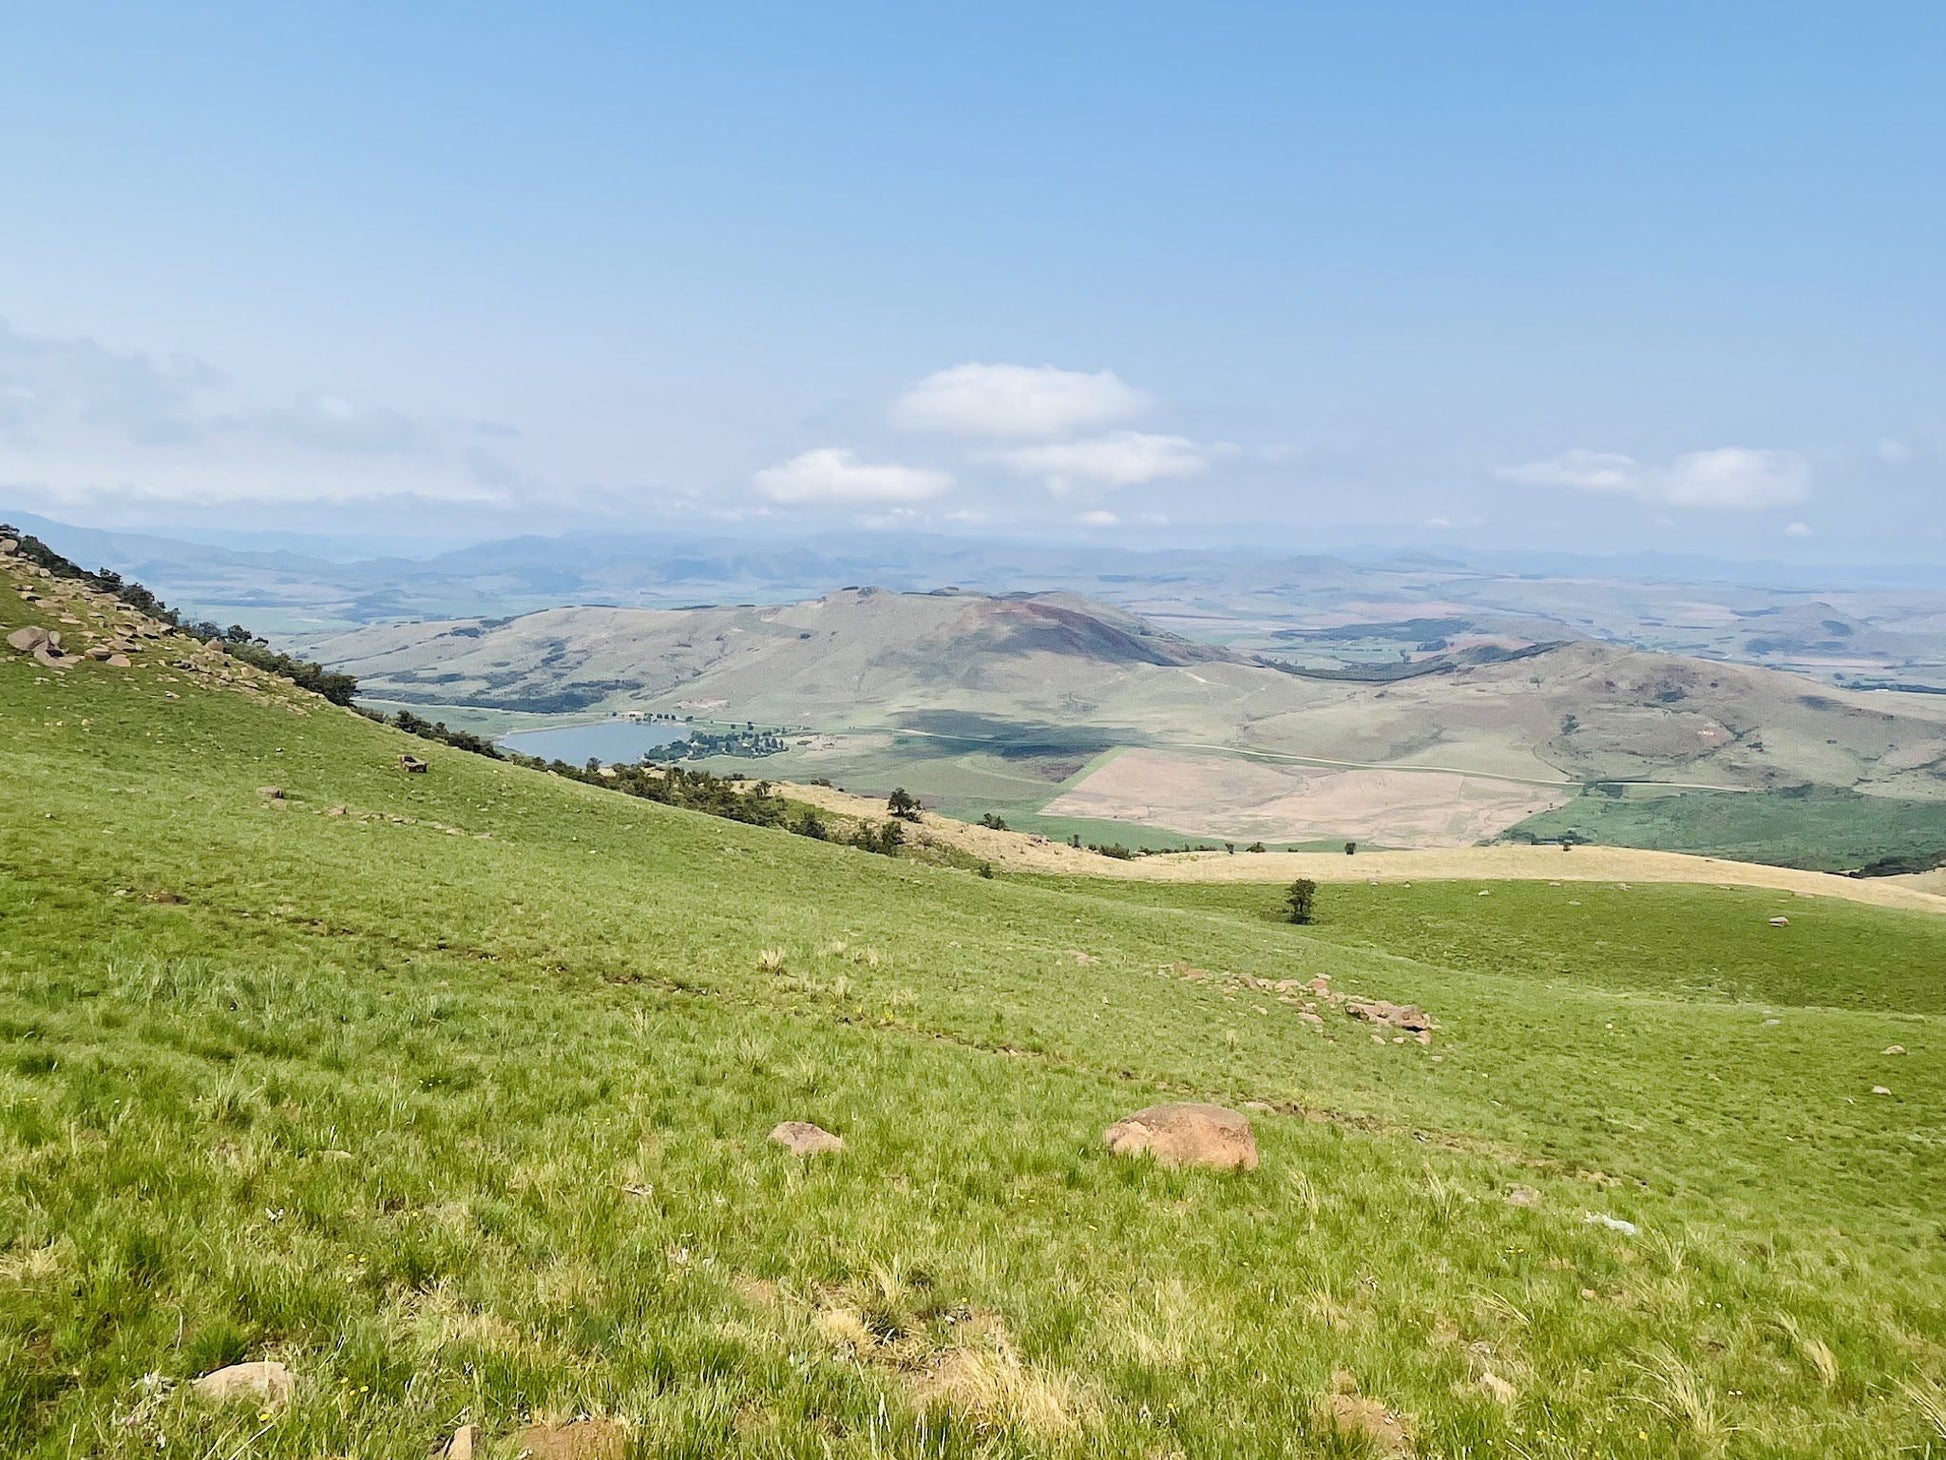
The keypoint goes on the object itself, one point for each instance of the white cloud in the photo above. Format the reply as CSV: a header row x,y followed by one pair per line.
x,y
1017,402
1728,478
1894,452
1100,517
832,476
85,428
1798,529
1119,459
1586,471
1737,478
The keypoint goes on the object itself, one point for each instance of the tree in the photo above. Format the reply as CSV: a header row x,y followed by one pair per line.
x,y
993,822
1255,847
901,804
1351,848
1302,900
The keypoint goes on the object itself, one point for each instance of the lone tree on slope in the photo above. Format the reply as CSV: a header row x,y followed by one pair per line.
x,y
1302,900
901,804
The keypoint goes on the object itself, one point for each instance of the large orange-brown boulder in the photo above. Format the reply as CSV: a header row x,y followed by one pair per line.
x,y
1186,1133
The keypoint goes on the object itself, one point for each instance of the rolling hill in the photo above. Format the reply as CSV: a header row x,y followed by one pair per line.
x,y
989,701
449,1092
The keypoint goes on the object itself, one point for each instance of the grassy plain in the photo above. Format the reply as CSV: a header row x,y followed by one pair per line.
x,y
457,1103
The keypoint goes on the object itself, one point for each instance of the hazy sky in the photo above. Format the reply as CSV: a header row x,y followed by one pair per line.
x,y
1602,277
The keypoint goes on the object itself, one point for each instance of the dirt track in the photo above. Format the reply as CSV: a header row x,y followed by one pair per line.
x,y
1018,852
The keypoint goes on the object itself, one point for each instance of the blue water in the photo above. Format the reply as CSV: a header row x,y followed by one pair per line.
x,y
611,743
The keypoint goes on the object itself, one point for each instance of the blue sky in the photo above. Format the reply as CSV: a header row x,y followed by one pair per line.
x,y
1489,275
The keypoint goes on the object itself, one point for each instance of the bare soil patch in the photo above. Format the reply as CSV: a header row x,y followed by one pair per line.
x,y
1247,800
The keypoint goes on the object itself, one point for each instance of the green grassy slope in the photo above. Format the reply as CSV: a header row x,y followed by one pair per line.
x,y
458,1101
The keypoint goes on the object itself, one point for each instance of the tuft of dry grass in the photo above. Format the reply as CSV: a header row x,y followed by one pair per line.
x,y
1814,1351
771,960
1683,1396
985,1380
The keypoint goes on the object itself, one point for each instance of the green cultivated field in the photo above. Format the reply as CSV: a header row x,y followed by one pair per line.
x,y
1822,828
457,1103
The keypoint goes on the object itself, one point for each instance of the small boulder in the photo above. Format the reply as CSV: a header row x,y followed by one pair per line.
x,y
1780,922
27,639
1186,1133
801,1138
336,810
413,764
119,661
271,793
1895,1049
1880,1090
465,1441
8,546
265,1382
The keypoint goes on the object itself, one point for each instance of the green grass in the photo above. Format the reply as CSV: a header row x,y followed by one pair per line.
x,y
458,1104
1822,828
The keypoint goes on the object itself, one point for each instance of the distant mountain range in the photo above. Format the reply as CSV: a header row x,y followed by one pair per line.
x,y
1315,611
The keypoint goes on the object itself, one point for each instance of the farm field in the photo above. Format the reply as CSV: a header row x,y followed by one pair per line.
x,y
1825,828
456,1102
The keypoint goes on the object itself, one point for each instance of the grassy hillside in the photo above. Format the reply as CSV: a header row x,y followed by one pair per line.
x,y
457,1101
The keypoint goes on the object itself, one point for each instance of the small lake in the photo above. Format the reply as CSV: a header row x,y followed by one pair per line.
x,y
612,742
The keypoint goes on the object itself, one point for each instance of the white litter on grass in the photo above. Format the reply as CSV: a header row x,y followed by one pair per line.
x,y
1613,1224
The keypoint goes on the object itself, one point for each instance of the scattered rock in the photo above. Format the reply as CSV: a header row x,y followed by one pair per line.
x,y
8,546
1409,1017
1613,1224
802,1138
1186,1133
1780,922
412,763
461,1446
1880,1090
27,639
266,1382
271,793
1523,1196
581,1439
337,811
1895,1049
119,661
